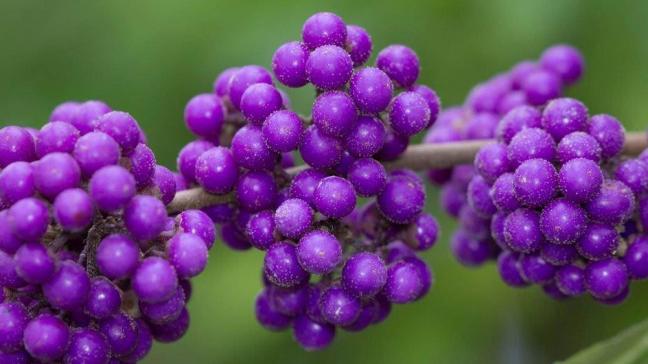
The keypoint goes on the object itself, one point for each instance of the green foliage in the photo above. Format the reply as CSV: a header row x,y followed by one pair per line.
x,y
628,347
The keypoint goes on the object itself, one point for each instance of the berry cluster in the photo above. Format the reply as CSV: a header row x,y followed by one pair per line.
x,y
327,263
554,202
92,269
527,83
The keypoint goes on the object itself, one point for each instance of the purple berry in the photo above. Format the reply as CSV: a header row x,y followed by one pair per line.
x,y
282,267
334,197
364,274
283,131
111,188
339,307
522,231
319,150
117,256
329,67
400,63
56,136
322,29
259,101
606,279
204,116
122,127
358,44
371,89
216,170
188,254
580,179
293,218
536,182
563,222
334,113
154,280
55,173
565,61
289,64
46,337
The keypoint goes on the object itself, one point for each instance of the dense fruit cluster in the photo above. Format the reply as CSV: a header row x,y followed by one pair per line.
x,y
327,263
92,269
527,83
557,206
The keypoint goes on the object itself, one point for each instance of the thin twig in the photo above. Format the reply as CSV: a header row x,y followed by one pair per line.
x,y
417,157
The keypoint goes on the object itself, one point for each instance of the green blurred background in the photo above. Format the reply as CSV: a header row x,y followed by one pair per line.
x,y
149,57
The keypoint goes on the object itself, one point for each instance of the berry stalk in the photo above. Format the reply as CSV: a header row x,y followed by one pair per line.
x,y
417,157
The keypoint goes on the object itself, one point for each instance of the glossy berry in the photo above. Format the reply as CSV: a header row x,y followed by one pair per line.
x,y
371,89
531,143
289,64
565,61
28,219
404,282
606,279
154,280
535,182
281,265
580,179
358,44
249,149
46,337
216,170
188,254
522,231
563,222
334,197
319,252
324,29
111,188
364,274
145,217
329,67
613,204
516,120
243,78
293,218
339,307
367,176
117,256
87,346
609,132
334,113
578,145
204,116
55,173
258,101
34,263
541,86
56,136
570,280
409,113
283,131
401,200
400,63
564,116
312,335
636,258
68,288
598,242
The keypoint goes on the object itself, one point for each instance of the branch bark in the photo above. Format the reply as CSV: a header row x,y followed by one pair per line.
x,y
417,157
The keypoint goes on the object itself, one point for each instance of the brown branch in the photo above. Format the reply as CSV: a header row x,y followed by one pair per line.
x,y
417,157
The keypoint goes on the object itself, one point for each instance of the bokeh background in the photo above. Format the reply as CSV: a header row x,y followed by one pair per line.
x,y
149,57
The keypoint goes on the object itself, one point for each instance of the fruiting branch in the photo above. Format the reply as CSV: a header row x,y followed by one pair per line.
x,y
417,157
